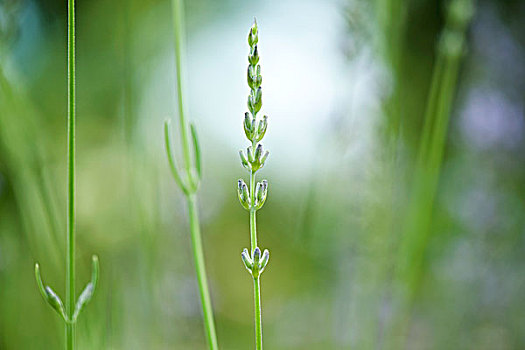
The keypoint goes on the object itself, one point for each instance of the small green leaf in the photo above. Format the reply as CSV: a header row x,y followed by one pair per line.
x,y
49,295
54,300
83,299
173,166
88,291
197,151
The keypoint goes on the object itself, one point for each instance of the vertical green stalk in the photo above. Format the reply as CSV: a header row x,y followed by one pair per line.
x,y
70,260
201,271
409,269
253,222
258,317
190,179
72,309
178,29
253,198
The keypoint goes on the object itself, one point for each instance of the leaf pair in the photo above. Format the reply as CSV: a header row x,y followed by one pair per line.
x,y
190,183
56,303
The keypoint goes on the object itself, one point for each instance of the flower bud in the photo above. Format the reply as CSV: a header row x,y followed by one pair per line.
x,y
258,151
257,100
255,159
252,36
244,161
263,159
249,130
249,151
261,193
261,128
256,256
264,261
244,195
252,77
248,262
253,58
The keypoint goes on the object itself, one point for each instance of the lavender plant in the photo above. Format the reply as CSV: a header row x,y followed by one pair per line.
x,y
70,312
190,179
253,198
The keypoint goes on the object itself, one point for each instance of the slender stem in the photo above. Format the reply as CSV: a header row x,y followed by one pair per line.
x,y
253,224
70,263
178,29
201,272
70,335
256,280
258,317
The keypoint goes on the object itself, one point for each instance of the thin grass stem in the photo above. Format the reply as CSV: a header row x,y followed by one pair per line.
x,y
189,182
70,261
200,269
178,30
73,306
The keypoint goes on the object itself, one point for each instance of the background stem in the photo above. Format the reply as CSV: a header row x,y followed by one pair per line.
x,y
70,260
178,31
196,240
200,268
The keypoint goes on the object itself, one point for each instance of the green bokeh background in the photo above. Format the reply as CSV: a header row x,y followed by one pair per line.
x,y
346,85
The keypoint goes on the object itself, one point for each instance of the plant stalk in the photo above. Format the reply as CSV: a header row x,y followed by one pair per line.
x,y
200,269
70,261
256,280
253,211
178,29
190,190
258,317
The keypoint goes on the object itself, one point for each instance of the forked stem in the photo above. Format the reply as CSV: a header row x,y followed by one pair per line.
x,y
189,181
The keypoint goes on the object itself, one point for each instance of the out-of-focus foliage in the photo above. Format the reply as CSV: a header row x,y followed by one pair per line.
x,y
347,88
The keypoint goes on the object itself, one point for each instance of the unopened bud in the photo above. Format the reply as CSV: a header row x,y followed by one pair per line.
x,y
261,194
248,262
261,128
243,194
244,161
264,261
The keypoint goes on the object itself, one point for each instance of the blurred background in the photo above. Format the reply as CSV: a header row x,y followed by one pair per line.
x,y
396,212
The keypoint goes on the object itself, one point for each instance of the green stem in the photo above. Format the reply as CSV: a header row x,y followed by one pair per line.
x,y
256,280
253,224
70,335
70,261
178,29
201,272
258,318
